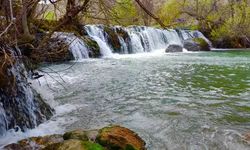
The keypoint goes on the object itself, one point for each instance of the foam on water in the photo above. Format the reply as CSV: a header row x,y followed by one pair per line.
x,y
56,125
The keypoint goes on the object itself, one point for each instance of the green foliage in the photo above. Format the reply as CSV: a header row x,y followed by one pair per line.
x,y
234,26
169,12
125,13
225,22
49,15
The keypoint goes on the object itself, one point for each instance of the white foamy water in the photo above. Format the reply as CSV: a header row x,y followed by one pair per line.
x,y
76,45
56,125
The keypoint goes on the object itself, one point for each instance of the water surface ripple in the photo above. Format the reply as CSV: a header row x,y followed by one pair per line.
x,y
177,101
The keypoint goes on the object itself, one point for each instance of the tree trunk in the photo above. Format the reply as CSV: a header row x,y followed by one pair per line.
x,y
26,36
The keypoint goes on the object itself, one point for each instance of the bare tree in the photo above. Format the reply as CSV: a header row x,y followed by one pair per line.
x,y
147,11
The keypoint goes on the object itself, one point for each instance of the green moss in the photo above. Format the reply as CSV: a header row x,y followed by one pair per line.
x,y
92,146
130,147
93,46
202,43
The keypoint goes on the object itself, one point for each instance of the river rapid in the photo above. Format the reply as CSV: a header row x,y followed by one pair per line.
x,y
179,101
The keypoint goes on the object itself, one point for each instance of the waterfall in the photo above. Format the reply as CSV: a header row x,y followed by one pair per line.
x,y
20,106
140,38
97,33
189,34
76,45
126,40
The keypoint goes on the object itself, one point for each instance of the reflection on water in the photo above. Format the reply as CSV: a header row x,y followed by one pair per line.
x,y
174,101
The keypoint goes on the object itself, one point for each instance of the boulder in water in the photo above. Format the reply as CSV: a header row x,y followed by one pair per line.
x,y
196,44
174,48
190,45
204,45
117,137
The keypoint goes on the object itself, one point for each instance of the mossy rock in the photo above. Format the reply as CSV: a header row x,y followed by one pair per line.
x,y
120,138
94,49
124,34
81,135
172,48
74,145
113,39
204,46
35,142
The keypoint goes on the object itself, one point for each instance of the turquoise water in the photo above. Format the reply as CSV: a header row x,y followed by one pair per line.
x,y
174,101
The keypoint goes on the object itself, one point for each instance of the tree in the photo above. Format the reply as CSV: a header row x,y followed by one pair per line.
x,y
125,13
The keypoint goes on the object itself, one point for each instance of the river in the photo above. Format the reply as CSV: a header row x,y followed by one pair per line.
x,y
173,101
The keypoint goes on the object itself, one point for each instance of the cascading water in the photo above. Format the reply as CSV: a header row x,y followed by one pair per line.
x,y
97,33
133,39
76,45
189,34
20,106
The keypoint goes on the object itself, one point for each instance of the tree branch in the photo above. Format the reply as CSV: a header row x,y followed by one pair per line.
x,y
157,19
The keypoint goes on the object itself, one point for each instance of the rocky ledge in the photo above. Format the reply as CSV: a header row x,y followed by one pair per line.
x,y
108,138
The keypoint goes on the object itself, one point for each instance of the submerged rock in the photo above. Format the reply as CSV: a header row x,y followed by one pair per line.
x,y
246,137
120,138
174,48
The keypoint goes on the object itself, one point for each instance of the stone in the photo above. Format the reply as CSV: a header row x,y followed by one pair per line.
x,y
174,48
196,44
246,137
94,49
73,144
120,138
190,45
204,45
81,135
35,143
